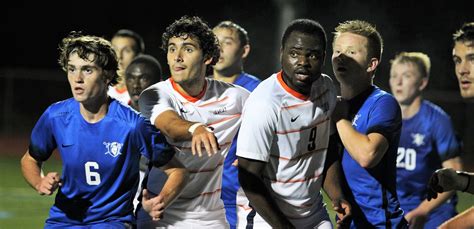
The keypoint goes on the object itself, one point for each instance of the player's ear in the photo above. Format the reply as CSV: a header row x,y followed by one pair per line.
x,y
246,51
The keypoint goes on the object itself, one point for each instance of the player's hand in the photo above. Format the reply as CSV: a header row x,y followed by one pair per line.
x,y
153,205
416,219
442,180
49,184
204,136
341,110
344,213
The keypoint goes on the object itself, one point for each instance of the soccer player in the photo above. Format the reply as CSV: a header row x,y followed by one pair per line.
x,y
127,44
235,47
447,179
368,121
427,142
100,141
142,72
198,115
283,148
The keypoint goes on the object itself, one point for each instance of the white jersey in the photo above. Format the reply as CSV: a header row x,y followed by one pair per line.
x,y
119,95
291,133
218,106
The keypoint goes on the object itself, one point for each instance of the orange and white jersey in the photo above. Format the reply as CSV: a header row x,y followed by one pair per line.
x,y
290,132
119,95
219,106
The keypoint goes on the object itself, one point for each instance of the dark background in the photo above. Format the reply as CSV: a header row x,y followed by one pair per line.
x,y
30,78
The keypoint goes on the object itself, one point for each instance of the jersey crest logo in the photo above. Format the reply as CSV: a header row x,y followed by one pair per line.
x,y
418,139
113,148
354,120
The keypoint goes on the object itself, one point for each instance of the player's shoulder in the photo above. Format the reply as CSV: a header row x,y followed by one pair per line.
x,y
267,93
382,96
123,112
220,87
63,108
429,109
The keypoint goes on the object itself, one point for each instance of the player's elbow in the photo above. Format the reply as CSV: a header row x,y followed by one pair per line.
x,y
370,159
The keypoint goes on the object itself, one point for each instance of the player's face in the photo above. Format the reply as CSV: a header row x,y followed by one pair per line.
x,y
137,78
463,56
232,51
350,57
302,58
124,47
186,60
406,82
87,80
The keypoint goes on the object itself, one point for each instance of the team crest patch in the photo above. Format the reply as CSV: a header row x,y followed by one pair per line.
x,y
113,148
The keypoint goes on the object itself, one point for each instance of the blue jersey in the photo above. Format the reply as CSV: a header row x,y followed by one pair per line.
x,y
428,138
230,178
373,190
100,161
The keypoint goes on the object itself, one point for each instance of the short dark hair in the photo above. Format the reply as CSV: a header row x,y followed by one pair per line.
x,y
140,47
149,62
84,45
241,32
306,26
465,33
196,28
367,30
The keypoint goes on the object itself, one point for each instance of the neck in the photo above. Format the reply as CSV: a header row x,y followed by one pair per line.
x,y
134,105
192,88
229,75
349,91
95,111
409,110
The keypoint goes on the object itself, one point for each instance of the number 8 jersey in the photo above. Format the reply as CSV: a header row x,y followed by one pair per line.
x,y
100,161
290,132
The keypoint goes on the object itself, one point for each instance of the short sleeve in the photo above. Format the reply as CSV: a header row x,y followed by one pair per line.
x,y
385,117
447,143
256,133
42,140
154,101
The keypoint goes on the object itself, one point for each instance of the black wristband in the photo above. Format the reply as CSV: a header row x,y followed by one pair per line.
x,y
464,174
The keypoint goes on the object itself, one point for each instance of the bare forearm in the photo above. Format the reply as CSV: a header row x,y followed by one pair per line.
x,y
366,151
177,178
31,170
332,182
427,206
173,126
462,220
260,199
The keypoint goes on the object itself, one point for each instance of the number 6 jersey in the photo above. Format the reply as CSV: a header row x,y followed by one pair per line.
x,y
100,161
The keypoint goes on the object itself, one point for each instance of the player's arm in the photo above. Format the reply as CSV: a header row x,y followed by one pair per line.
x,y
250,178
417,216
176,180
366,149
33,174
464,219
178,129
332,183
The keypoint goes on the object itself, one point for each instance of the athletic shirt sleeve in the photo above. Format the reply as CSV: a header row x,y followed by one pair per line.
x,y
154,101
447,143
42,141
256,133
385,117
152,144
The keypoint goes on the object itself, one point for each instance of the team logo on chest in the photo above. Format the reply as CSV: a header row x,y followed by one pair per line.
x,y
418,139
113,148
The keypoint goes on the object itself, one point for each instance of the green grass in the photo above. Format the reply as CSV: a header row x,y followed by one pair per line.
x,y
21,207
